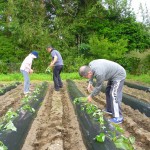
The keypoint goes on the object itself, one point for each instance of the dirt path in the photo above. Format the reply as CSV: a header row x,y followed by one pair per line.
x,y
139,94
135,124
56,126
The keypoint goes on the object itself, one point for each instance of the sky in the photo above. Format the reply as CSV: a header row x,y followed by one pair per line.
x,y
135,5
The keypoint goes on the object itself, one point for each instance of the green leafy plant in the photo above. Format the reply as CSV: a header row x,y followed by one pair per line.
x,y
27,107
100,137
48,70
2,146
1,90
10,126
10,114
6,121
114,135
80,100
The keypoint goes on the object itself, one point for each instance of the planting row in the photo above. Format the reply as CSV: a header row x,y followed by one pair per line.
x,y
56,125
14,125
135,123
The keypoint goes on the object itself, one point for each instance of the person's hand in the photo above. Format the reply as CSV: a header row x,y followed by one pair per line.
x,y
90,88
31,71
89,98
51,65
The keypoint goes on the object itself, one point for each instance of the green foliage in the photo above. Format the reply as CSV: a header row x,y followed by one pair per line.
x,y
103,48
100,137
72,27
2,146
144,66
10,126
130,63
119,140
124,143
72,64
27,107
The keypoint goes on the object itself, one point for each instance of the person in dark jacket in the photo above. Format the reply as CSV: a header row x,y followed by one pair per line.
x,y
57,65
106,70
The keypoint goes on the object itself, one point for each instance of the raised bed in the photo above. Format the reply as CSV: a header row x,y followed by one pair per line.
x,y
14,140
139,87
89,127
143,107
7,88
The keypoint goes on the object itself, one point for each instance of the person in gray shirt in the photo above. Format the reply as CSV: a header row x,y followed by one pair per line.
x,y
57,65
106,70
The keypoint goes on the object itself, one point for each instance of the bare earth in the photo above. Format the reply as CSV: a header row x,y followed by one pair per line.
x,y
135,124
56,126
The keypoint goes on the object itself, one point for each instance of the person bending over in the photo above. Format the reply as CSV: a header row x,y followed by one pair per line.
x,y
106,70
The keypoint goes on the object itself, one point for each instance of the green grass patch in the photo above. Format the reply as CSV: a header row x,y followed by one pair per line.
x,y
39,77
145,78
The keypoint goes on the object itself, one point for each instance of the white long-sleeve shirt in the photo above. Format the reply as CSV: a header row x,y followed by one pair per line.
x,y
27,63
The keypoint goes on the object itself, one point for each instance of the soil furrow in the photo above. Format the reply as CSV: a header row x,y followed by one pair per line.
x,y
71,135
135,124
39,130
11,99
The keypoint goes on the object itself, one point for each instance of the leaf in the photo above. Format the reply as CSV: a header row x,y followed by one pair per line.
x,y
118,128
101,137
10,126
132,140
2,146
123,143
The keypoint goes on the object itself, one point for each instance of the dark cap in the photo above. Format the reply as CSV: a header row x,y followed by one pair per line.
x,y
35,53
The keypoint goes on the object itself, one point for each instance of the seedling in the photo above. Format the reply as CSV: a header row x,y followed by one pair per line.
x,y
10,126
27,107
2,146
48,70
115,135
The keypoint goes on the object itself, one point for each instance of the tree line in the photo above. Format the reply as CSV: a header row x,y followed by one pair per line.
x,y
82,30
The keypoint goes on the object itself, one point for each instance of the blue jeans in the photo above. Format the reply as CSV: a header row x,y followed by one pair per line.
x,y
26,81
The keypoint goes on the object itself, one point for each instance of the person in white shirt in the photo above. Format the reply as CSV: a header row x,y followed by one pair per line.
x,y
26,70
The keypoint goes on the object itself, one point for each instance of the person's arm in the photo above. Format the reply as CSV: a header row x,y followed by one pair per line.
x,y
97,88
90,85
53,61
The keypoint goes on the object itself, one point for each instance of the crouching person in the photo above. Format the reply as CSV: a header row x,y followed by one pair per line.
x,y
105,70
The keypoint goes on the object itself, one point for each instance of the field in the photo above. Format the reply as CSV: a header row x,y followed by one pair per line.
x,y
56,125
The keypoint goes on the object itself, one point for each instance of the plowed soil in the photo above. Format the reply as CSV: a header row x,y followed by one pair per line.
x,y
56,125
135,123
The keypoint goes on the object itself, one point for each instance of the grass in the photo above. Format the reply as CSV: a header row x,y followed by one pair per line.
x,y
37,77
145,78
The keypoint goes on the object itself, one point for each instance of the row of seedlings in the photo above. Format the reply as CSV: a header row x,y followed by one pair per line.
x,y
14,125
8,87
97,131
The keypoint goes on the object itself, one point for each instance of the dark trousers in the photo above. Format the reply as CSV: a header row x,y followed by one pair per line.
x,y
114,97
56,77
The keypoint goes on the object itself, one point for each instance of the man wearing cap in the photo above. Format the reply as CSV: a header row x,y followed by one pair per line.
x,y
57,65
26,70
106,70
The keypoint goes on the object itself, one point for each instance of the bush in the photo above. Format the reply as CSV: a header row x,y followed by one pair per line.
x,y
144,67
103,48
131,64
